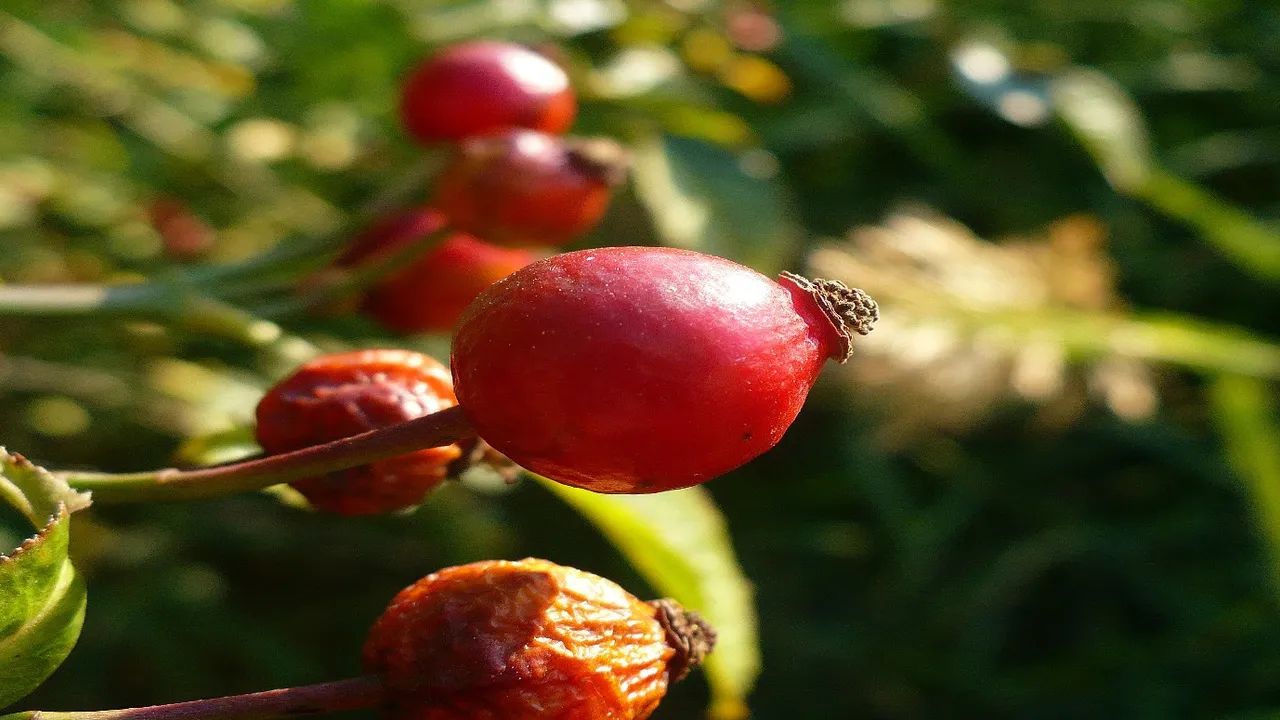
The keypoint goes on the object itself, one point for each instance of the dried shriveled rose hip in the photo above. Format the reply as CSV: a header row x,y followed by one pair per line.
x,y
639,369
485,87
527,188
528,640
430,294
344,394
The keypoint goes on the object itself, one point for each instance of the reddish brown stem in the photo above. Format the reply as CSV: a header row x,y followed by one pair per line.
x,y
434,430
350,694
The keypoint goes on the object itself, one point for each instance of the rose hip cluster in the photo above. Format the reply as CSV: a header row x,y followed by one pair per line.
x,y
618,370
513,189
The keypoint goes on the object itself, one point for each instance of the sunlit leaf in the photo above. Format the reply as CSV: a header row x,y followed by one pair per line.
x,y
679,543
708,199
42,599
1107,122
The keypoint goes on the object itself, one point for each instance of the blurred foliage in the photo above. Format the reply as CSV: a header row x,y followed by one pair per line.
x,y
1046,487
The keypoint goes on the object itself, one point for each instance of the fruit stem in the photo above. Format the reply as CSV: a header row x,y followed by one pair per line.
x,y
350,694
170,484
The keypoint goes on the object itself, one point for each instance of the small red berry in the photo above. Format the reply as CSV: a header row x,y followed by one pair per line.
x,y
527,188
430,294
391,233
640,369
528,640
183,235
484,87
344,394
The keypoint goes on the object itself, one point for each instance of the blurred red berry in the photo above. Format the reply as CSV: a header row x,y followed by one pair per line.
x,y
391,233
642,369
183,235
484,87
527,189
751,27
430,294
344,394
528,640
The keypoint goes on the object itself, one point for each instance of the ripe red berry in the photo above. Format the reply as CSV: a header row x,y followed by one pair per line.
x,y
344,394
430,294
484,87
391,233
526,188
528,640
640,369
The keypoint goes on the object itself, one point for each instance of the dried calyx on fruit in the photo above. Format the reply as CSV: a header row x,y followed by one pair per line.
x,y
529,640
526,188
343,394
640,369
484,87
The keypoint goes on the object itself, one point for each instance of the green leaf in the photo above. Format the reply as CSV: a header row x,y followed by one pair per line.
x,y
1108,123
1246,415
34,491
42,599
701,198
678,542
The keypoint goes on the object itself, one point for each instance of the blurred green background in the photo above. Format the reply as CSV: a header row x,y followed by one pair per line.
x,y
1048,485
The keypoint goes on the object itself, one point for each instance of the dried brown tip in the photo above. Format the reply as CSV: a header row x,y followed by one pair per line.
x,y
600,158
687,633
849,309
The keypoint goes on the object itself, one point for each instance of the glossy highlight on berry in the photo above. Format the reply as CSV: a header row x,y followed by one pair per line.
x,y
529,189
640,369
484,87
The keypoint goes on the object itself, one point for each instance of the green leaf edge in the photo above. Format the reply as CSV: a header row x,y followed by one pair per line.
x,y
35,492
31,650
686,574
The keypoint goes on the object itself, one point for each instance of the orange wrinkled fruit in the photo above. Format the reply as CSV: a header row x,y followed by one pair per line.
x,y
528,639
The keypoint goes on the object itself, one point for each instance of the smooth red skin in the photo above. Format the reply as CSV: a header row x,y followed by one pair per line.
x,y
430,294
344,394
635,369
482,88
522,189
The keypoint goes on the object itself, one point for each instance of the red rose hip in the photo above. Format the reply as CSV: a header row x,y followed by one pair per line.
x,y
343,394
392,232
639,369
526,188
430,294
484,87
528,640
